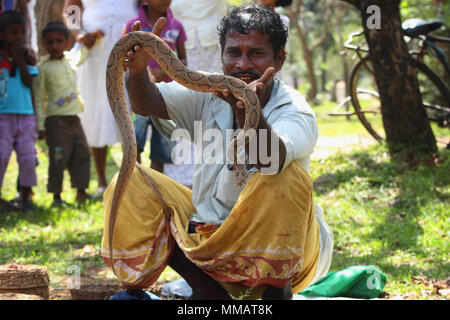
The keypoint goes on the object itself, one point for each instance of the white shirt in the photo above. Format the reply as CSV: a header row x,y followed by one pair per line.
x,y
214,193
202,16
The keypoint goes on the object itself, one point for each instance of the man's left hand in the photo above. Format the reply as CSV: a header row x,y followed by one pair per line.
x,y
258,86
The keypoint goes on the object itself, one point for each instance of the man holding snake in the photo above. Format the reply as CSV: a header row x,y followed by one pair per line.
x,y
265,239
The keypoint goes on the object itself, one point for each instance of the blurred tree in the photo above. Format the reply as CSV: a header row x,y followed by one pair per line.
x,y
326,14
405,121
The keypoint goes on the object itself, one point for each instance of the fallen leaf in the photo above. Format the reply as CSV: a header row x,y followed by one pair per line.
x,y
89,249
420,279
445,284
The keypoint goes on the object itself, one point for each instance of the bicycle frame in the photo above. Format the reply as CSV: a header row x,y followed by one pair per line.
x,y
353,47
427,44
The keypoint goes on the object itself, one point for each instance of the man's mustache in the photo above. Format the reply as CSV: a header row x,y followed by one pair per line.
x,y
252,74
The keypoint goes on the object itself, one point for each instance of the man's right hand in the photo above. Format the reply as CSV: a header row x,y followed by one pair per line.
x,y
145,97
137,58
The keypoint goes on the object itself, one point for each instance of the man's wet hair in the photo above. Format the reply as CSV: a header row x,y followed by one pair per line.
x,y
55,26
11,17
258,18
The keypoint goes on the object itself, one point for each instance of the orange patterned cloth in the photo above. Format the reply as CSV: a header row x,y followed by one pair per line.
x,y
270,237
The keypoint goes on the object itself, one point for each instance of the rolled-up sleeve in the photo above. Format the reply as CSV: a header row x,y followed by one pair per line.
x,y
298,130
183,105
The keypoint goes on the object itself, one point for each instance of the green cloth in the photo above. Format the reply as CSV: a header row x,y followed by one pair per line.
x,y
364,282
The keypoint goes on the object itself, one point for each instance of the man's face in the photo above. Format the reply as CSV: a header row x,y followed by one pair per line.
x,y
247,56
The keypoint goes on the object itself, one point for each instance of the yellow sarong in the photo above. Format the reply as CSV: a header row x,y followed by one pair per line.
x,y
271,236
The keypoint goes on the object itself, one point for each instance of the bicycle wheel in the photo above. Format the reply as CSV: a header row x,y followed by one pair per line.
x,y
365,98
435,102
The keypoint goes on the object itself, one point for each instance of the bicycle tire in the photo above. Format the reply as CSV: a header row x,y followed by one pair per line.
x,y
355,93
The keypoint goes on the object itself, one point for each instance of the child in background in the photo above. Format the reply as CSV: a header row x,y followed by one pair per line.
x,y
58,102
175,36
17,116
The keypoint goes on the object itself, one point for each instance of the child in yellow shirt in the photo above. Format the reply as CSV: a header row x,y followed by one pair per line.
x,y
58,103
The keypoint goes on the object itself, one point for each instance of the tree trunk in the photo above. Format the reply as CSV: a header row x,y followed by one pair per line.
x,y
308,58
343,55
295,14
404,119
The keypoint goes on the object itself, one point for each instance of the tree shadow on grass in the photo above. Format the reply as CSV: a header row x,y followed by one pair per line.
x,y
363,166
43,215
397,220
41,251
401,271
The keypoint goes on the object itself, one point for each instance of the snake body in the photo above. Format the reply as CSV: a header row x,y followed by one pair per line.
x,y
169,62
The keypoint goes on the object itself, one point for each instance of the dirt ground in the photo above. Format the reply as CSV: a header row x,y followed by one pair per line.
x,y
99,283
327,146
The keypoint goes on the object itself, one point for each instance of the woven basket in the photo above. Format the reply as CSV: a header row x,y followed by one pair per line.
x,y
95,290
19,296
24,279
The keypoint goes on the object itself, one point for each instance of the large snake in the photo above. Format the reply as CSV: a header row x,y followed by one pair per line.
x,y
169,62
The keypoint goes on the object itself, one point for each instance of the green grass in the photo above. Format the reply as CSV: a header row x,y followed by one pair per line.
x,y
332,126
384,214
57,238
381,213
338,125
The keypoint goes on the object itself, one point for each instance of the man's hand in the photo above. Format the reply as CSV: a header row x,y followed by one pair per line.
x,y
258,86
145,97
137,58
158,75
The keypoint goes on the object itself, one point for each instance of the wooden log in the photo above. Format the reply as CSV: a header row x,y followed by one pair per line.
x,y
91,289
24,279
19,296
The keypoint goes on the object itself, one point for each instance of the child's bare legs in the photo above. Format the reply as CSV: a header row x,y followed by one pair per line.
x,y
25,197
99,155
57,199
82,195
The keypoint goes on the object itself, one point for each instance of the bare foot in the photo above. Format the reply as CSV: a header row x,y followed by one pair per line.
x,y
8,205
273,293
82,196
210,290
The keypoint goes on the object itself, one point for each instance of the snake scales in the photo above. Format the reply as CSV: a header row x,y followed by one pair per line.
x,y
168,61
